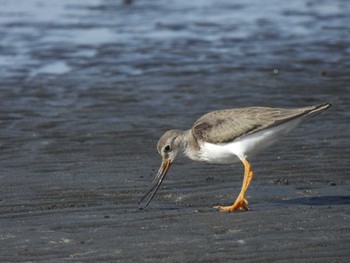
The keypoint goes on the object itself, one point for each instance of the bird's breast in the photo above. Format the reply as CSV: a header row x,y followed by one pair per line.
x,y
218,153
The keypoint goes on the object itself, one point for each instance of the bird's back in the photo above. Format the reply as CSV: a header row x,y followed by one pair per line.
x,y
229,125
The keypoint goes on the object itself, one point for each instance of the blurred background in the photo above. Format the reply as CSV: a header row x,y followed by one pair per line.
x,y
88,87
85,78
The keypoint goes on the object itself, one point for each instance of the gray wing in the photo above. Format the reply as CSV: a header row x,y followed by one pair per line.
x,y
228,125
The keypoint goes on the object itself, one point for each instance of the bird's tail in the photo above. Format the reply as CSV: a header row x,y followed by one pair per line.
x,y
317,109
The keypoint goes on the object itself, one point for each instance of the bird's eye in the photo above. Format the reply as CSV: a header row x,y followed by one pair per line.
x,y
167,148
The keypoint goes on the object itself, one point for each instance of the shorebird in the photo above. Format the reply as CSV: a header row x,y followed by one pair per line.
x,y
230,136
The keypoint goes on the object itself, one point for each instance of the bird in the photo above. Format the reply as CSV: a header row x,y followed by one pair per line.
x,y
227,137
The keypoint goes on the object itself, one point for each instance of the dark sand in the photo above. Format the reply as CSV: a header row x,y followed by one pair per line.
x,y
86,90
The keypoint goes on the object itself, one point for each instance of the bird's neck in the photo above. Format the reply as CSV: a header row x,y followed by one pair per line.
x,y
190,145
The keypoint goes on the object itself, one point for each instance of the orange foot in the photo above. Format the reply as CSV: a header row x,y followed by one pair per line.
x,y
241,204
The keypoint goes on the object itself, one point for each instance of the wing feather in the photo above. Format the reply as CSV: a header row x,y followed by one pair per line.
x,y
228,125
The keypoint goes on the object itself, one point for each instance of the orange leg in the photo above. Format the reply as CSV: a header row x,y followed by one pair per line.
x,y
241,203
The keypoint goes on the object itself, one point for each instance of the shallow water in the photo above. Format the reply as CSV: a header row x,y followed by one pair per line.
x,y
87,88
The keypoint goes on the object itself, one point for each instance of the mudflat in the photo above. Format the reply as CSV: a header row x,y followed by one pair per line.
x,y
87,89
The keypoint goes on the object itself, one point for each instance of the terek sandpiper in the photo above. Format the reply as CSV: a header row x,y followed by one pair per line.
x,y
229,136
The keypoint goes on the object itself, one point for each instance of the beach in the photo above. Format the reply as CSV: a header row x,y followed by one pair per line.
x,y
88,88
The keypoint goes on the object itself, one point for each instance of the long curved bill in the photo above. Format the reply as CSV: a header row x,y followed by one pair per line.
x,y
157,181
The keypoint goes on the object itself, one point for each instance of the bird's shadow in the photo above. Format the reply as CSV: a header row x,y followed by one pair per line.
x,y
318,200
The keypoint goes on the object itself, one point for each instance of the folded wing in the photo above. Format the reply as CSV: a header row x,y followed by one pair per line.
x,y
228,125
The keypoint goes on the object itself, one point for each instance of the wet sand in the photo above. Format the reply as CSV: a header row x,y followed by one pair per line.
x,y
87,89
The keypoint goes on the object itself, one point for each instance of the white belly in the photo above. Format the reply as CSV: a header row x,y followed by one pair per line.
x,y
246,147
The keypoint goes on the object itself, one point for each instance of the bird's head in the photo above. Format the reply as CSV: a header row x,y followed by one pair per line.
x,y
168,147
